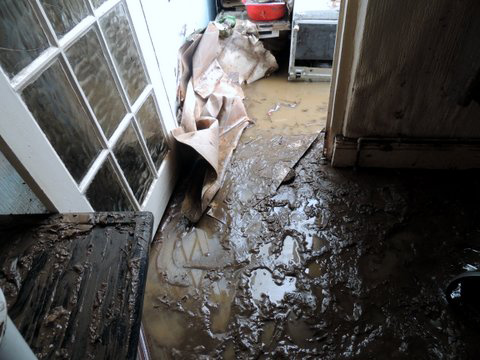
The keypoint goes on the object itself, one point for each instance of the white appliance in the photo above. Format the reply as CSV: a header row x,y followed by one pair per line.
x,y
314,28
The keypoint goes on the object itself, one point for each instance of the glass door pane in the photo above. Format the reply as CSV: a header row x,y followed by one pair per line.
x,y
105,193
65,14
152,131
63,119
90,100
91,67
21,37
131,158
120,41
97,3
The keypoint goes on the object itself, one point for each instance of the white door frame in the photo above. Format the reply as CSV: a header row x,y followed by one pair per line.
x,y
27,147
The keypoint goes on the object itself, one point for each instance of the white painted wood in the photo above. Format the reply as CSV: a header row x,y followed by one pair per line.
x,y
97,164
144,146
347,36
35,69
141,99
162,188
170,22
328,143
403,70
150,60
406,153
157,200
167,133
124,182
24,138
119,130
83,99
44,22
106,7
76,32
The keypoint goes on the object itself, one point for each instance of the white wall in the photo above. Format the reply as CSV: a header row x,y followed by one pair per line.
x,y
170,22
15,195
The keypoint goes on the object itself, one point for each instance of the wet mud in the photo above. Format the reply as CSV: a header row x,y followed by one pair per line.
x,y
297,260
74,283
287,108
335,264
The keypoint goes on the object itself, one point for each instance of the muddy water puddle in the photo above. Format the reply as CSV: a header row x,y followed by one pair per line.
x,y
263,285
314,263
283,107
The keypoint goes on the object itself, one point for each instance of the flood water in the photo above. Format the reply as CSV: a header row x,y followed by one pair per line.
x,y
301,107
314,262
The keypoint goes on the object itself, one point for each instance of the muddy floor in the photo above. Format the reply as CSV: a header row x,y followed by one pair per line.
x,y
287,108
297,260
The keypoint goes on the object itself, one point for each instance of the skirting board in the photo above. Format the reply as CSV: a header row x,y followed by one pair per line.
x,y
406,153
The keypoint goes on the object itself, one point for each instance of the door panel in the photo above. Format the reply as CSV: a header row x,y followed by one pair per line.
x,y
90,103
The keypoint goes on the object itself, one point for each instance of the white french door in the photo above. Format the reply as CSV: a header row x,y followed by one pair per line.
x,y
84,114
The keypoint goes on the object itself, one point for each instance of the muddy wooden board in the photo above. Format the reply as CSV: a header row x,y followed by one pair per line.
x,y
74,283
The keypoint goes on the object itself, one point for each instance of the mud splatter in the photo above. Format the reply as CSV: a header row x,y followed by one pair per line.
x,y
323,264
337,264
74,283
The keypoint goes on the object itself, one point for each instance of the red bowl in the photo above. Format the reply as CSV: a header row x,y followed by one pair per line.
x,y
265,11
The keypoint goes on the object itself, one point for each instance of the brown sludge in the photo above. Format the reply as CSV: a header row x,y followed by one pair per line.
x,y
74,282
213,113
329,264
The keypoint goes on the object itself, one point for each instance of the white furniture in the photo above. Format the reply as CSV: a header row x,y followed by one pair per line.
x,y
314,27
